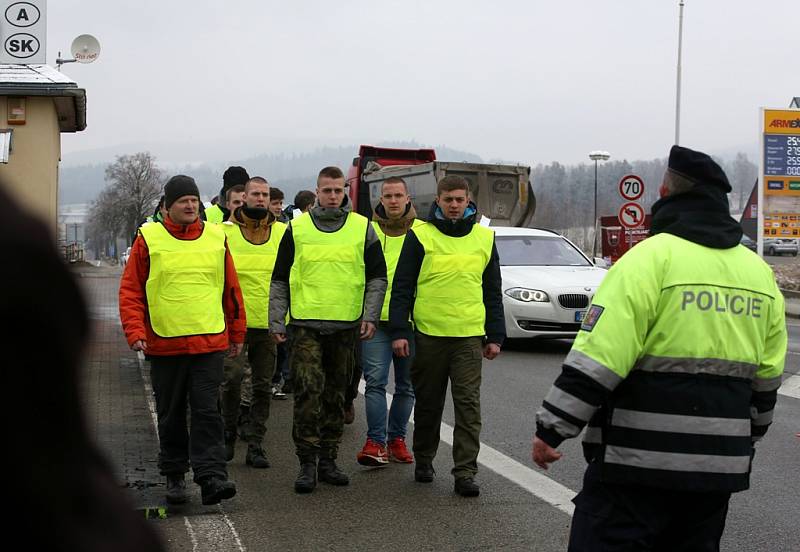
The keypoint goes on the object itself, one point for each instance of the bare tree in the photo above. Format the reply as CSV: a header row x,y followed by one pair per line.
x,y
137,180
134,186
106,222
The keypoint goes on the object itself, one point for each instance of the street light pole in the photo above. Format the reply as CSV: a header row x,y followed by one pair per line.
x,y
596,156
678,79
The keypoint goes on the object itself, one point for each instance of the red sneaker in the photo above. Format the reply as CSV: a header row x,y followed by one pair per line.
x,y
373,454
398,452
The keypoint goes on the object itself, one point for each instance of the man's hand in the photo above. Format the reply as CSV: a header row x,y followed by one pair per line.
x,y
400,348
140,345
235,350
543,454
491,350
279,337
367,330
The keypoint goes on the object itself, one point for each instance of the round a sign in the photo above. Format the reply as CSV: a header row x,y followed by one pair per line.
x,y
631,187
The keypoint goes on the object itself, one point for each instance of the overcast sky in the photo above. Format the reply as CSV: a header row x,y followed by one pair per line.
x,y
529,81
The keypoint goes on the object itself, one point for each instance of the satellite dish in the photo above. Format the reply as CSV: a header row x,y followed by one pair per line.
x,y
85,49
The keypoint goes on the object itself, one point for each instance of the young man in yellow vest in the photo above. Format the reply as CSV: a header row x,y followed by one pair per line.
x,y
253,239
330,277
394,216
219,212
180,304
448,280
675,370
234,198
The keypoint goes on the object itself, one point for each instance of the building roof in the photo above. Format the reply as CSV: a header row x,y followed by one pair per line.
x,y
43,80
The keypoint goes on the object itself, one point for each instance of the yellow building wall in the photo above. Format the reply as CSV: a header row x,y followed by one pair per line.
x,y
31,174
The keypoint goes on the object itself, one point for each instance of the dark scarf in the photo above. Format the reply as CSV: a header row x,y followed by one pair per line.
x,y
394,226
700,215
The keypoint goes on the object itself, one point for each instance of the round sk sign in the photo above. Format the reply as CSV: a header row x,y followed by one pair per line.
x,y
21,45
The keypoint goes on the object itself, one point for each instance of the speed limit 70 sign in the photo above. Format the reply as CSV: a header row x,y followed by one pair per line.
x,y
631,187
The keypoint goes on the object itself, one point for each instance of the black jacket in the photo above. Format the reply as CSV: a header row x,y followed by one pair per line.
x,y
406,276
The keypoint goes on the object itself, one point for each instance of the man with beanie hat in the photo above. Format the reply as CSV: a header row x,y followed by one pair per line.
x,y
181,305
232,176
254,235
675,370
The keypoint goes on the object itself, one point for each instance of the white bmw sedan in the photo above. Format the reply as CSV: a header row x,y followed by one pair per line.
x,y
548,283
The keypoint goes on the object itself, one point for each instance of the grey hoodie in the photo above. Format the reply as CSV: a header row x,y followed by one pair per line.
x,y
327,220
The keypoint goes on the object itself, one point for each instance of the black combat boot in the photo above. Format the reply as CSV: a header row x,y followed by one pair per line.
x,y
329,472
466,486
176,489
214,489
307,478
256,457
243,421
230,445
423,473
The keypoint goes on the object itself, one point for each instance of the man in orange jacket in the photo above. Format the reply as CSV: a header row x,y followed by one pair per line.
x,y
181,305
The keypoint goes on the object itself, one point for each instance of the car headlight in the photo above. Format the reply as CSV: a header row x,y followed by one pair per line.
x,y
527,295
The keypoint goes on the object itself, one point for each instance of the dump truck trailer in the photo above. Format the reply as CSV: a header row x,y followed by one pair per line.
x,y
502,193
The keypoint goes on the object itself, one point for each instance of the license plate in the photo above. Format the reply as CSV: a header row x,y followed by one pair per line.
x,y
579,316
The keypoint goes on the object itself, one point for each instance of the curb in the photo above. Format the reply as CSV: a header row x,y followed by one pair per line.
x,y
790,293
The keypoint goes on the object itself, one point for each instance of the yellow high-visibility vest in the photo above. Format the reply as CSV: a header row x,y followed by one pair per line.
x,y
214,214
186,281
254,265
449,300
327,279
391,245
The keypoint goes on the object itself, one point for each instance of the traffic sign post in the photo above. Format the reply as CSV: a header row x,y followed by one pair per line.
x,y
631,187
631,215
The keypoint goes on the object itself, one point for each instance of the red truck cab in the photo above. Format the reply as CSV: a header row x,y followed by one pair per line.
x,y
359,195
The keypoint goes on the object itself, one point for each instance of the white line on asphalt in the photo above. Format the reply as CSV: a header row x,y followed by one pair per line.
x,y
192,536
790,387
536,483
212,529
213,532
148,390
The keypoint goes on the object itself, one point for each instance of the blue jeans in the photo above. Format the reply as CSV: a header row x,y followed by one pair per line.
x,y
377,356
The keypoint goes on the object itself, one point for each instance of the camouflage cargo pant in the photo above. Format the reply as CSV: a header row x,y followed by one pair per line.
x,y
321,366
259,351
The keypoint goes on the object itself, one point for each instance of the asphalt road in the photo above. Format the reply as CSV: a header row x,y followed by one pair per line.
x,y
777,260
385,509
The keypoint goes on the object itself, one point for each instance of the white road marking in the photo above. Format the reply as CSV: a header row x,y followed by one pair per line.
x,y
192,536
148,391
215,532
790,387
211,532
534,482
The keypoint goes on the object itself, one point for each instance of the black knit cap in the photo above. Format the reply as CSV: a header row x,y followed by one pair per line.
x,y
697,167
178,186
233,176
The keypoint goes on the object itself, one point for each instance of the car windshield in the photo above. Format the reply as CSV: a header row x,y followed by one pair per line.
x,y
538,251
